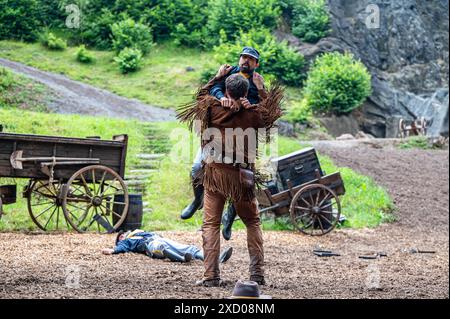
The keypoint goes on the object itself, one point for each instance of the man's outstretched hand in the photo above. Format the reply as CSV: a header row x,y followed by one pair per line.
x,y
224,70
107,251
258,80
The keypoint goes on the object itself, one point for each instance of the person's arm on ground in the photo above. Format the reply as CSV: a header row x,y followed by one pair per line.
x,y
120,248
107,251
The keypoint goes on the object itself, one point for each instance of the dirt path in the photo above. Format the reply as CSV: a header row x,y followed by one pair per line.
x,y
37,265
72,97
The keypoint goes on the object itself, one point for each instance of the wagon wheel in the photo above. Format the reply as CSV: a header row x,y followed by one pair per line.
x,y
423,126
45,206
95,199
315,210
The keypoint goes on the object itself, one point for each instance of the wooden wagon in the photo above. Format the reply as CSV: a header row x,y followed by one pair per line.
x,y
412,128
74,183
301,190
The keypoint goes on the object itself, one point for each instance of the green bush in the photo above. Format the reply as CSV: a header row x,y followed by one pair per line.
x,y
19,19
180,19
232,16
277,59
299,112
6,79
309,18
129,60
129,34
337,83
98,31
207,74
23,19
84,56
52,42
190,38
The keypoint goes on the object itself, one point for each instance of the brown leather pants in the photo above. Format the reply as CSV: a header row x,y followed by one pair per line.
x,y
212,213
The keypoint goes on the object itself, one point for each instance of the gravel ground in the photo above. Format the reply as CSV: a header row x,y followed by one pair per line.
x,y
47,265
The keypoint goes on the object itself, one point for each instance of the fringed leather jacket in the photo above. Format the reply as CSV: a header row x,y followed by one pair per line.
x,y
239,150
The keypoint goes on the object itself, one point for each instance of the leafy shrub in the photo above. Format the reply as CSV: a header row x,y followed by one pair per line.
x,y
207,74
19,19
190,38
98,31
337,83
129,34
299,112
310,20
277,59
84,56
6,79
52,42
56,44
181,19
129,60
287,9
231,16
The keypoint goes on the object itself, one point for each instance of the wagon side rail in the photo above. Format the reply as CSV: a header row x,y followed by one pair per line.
x,y
277,202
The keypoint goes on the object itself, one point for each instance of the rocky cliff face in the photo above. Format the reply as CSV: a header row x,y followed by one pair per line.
x,y
407,54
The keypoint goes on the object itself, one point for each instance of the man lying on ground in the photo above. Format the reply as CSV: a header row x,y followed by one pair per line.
x,y
155,246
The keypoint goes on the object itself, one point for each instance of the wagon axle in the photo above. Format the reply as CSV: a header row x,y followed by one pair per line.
x,y
97,201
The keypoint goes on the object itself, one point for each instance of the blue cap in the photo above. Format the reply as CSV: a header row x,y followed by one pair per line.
x,y
250,52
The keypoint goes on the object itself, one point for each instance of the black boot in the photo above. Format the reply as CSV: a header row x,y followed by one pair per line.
x,y
227,221
173,256
225,255
196,204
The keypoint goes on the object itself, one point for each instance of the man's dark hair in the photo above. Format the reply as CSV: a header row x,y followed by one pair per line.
x,y
118,235
237,86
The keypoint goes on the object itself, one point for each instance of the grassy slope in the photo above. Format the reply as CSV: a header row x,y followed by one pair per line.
x,y
163,80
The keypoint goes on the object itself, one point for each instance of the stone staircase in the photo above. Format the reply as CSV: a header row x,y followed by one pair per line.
x,y
140,174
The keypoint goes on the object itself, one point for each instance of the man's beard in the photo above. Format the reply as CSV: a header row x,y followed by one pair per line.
x,y
246,68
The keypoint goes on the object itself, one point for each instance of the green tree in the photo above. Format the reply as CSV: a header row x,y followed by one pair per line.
x,y
232,16
20,19
277,59
310,20
129,34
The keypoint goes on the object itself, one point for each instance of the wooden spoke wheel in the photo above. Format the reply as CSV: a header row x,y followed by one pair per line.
x,y
45,205
423,126
315,210
95,199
